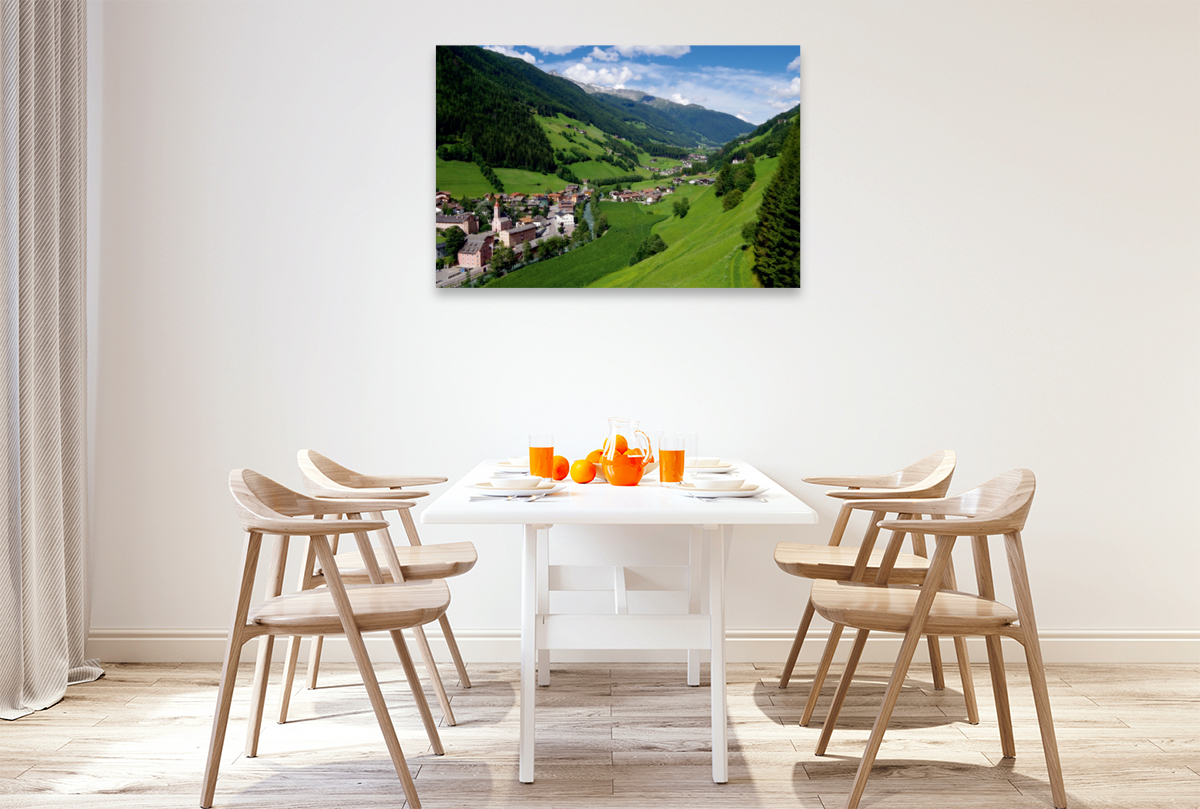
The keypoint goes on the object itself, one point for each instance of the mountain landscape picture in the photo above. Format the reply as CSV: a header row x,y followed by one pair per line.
x,y
618,166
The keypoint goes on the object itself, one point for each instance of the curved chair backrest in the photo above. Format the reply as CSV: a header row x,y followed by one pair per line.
x,y
999,506
1003,500
261,500
326,477
928,477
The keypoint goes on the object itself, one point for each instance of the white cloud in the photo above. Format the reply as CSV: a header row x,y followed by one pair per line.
x,y
507,51
557,50
742,114
604,56
791,90
794,65
679,99
629,51
780,105
610,77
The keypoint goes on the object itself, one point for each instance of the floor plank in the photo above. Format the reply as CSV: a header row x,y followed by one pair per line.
x,y
610,736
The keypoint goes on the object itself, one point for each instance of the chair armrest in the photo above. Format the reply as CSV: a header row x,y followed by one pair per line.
x,y
915,505
855,481
397,481
949,528
878,494
360,494
300,527
348,505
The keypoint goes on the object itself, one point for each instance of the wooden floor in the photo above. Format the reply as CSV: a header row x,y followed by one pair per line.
x,y
610,736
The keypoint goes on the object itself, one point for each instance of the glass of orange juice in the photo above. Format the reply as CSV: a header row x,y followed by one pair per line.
x,y
671,448
541,455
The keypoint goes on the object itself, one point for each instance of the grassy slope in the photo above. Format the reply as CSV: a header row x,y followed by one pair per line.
x,y
705,248
630,224
459,178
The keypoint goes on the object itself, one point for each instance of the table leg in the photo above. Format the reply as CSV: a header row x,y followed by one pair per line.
x,y
716,607
529,600
543,599
695,564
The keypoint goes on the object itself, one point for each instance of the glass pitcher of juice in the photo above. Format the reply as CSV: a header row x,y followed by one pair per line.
x,y
628,453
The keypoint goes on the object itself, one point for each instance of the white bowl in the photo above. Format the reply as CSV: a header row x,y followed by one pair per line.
x,y
519,461
723,483
518,482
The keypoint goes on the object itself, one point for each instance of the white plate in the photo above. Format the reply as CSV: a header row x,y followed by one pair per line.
x,y
747,490
498,489
709,470
708,465
509,466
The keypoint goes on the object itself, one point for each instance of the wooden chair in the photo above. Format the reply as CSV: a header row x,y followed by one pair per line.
x,y
928,477
264,507
405,563
998,507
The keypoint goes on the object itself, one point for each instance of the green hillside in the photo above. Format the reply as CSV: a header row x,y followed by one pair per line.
x,y
461,179
629,225
705,249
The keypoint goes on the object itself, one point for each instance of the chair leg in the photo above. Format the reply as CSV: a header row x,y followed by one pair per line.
x,y
434,676
258,694
414,684
262,666
314,661
790,663
233,651
1037,669
220,722
895,685
289,676
835,634
367,671
968,682
935,662
464,679
839,697
1008,742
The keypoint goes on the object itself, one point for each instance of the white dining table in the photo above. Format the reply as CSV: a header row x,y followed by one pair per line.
x,y
596,503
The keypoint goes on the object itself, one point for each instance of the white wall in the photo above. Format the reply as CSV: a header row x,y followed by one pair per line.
x,y
1000,257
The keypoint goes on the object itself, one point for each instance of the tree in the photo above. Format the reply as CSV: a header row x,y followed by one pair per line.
x,y
455,239
601,224
681,207
773,149
733,199
750,159
503,258
749,231
777,242
653,244
582,232
724,180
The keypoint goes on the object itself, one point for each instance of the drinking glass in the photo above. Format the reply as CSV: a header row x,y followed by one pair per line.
x,y
541,455
671,456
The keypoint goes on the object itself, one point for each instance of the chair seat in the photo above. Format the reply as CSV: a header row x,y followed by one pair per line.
x,y
376,607
837,563
889,608
417,562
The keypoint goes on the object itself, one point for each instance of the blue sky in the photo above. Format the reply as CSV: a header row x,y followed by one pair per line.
x,y
753,82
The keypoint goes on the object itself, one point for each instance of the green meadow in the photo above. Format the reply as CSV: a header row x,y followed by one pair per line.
x,y
704,249
629,225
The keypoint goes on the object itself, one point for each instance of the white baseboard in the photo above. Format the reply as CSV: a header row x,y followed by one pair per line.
x,y
742,646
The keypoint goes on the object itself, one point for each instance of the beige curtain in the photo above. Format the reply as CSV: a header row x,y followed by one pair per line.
x,y
43,570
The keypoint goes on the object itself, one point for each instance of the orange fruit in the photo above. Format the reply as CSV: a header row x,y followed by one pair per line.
x,y
634,451
622,444
560,467
595,455
583,471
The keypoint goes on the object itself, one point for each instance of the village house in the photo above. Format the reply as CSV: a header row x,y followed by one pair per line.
x,y
518,235
477,252
467,222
